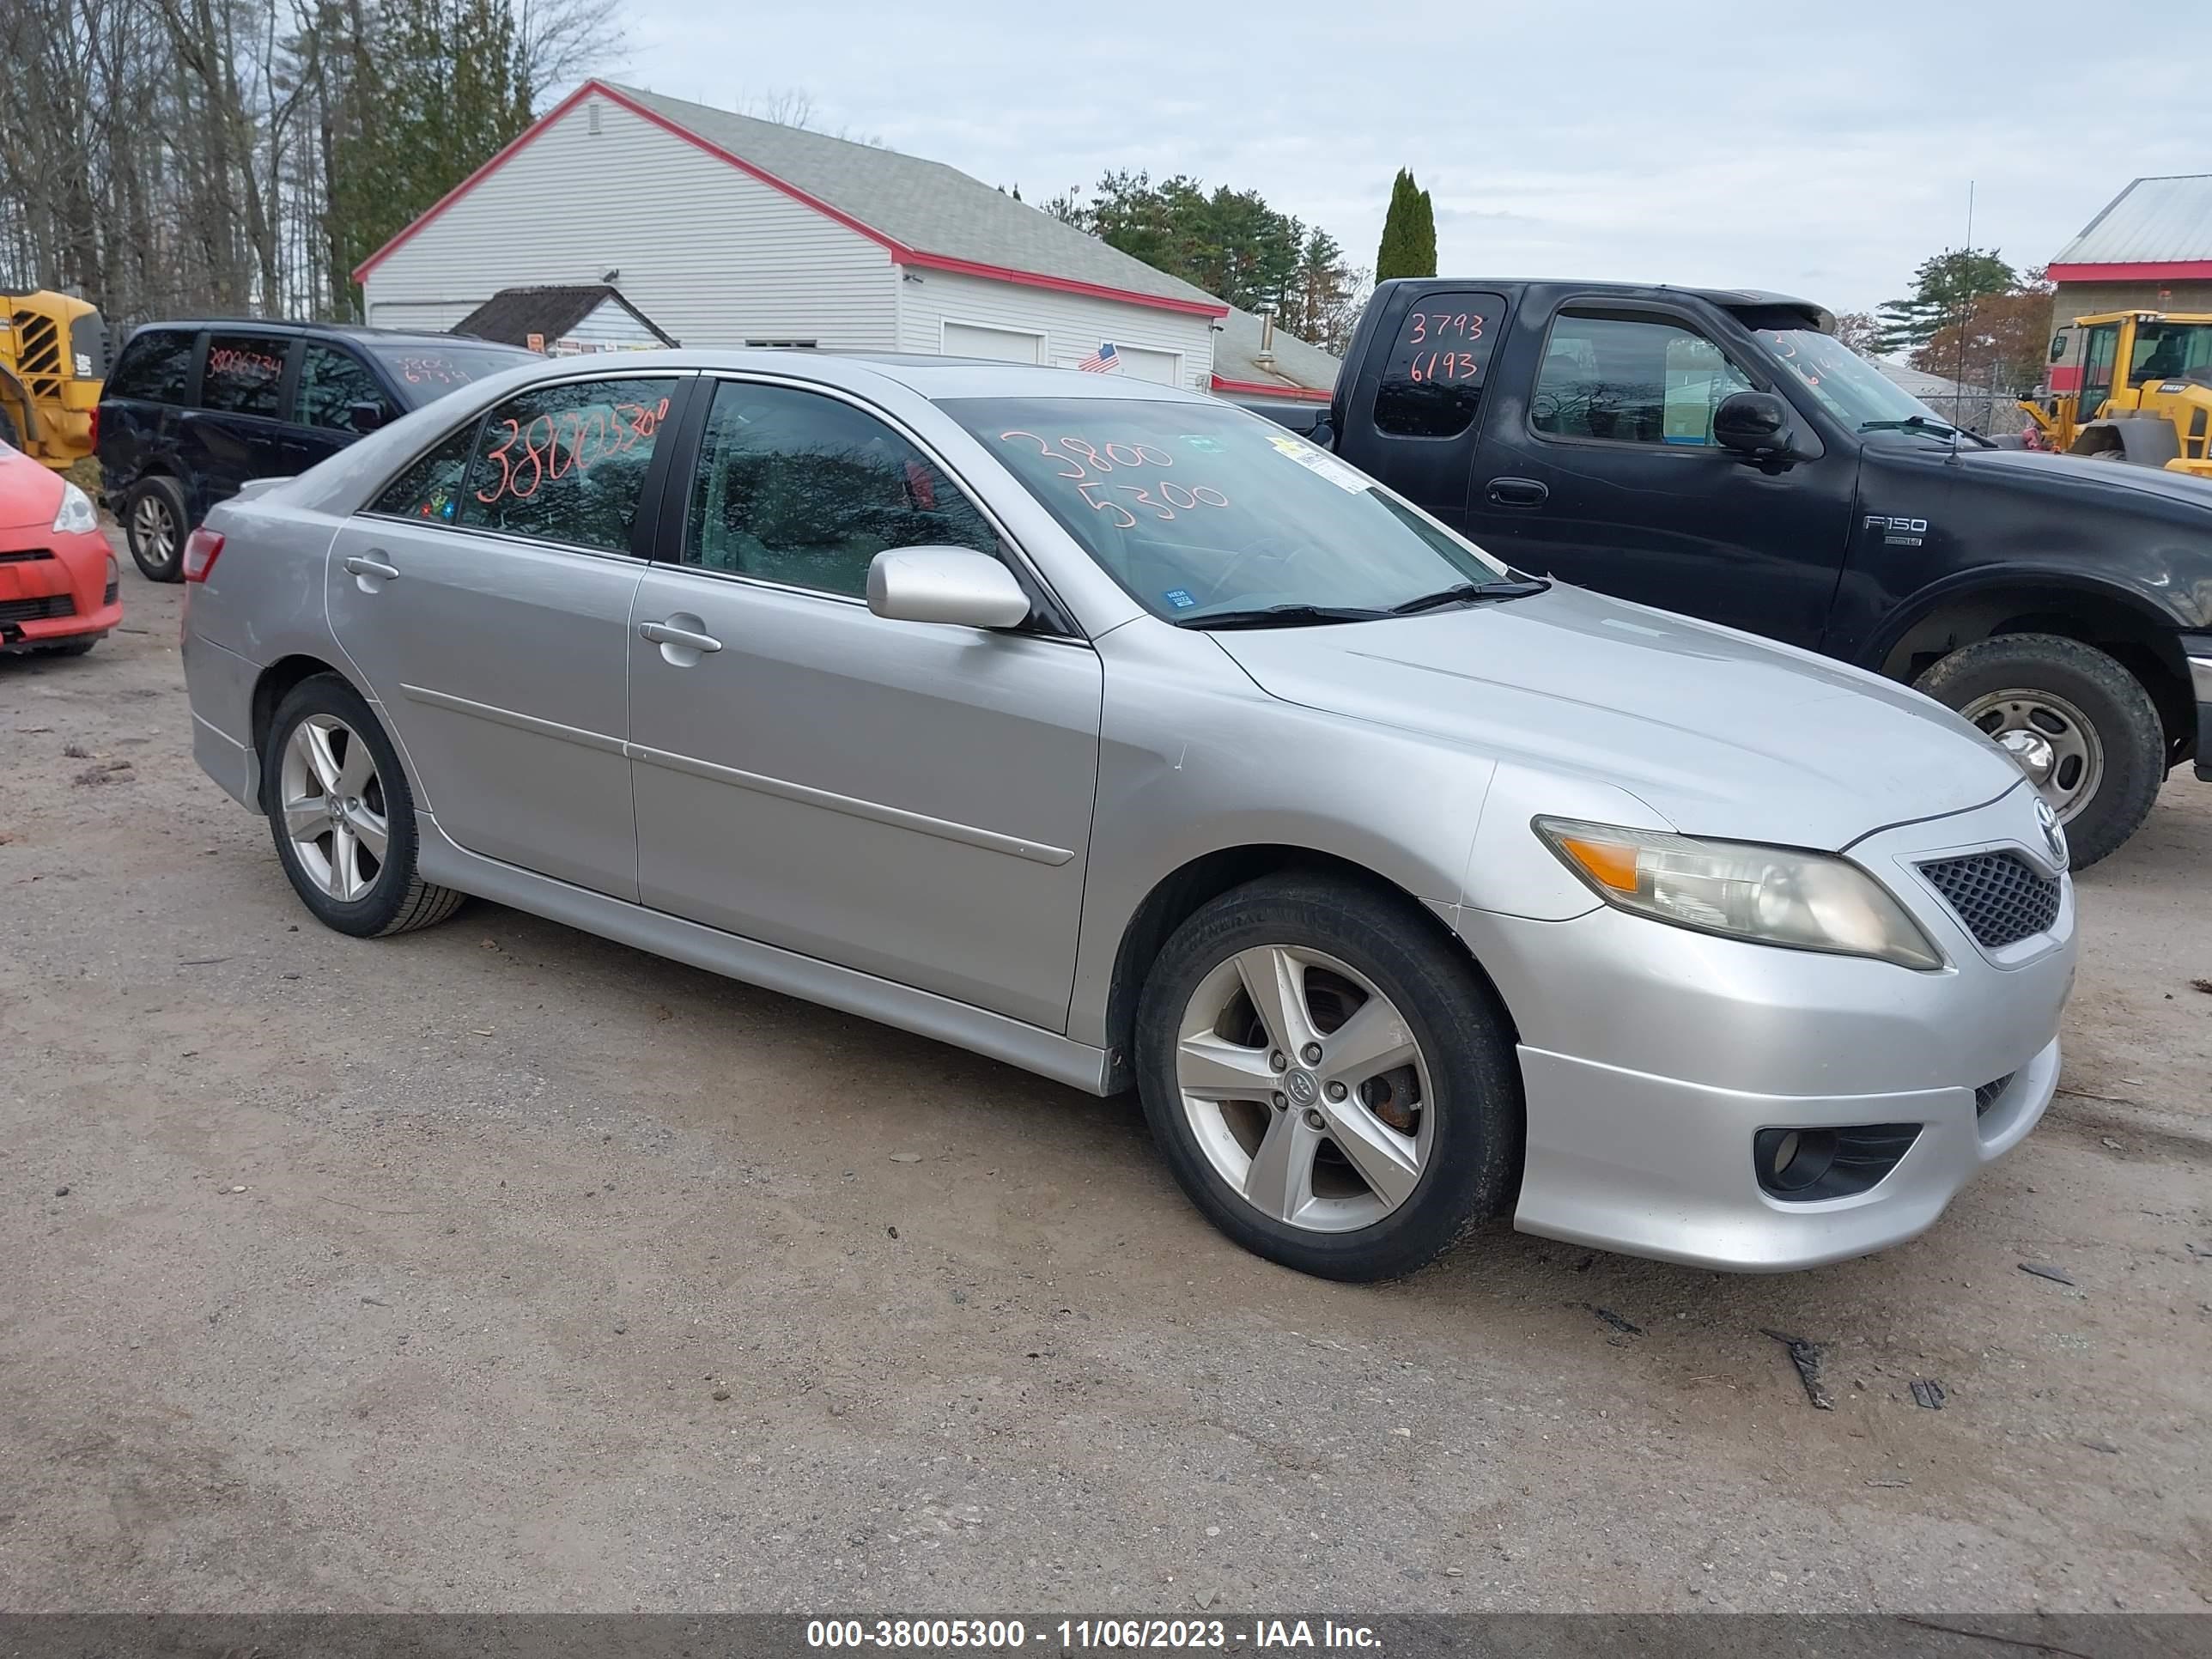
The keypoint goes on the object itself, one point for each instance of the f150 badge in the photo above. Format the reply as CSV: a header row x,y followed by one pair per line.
x,y
1897,532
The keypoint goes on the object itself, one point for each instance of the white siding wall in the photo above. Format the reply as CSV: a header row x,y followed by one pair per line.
x,y
1074,325
709,253
609,324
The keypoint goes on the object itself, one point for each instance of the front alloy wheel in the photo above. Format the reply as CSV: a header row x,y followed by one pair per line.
x,y
1329,1076
1304,1088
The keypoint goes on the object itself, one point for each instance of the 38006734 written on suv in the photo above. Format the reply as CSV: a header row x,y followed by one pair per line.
x,y
1117,733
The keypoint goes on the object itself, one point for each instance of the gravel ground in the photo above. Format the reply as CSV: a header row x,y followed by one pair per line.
x,y
500,1267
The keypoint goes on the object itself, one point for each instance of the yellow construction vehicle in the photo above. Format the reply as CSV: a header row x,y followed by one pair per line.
x,y
2146,391
53,355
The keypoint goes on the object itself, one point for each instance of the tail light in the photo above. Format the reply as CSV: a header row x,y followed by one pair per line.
x,y
202,547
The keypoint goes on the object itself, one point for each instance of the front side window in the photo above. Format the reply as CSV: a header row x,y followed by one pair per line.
x,y
2174,351
567,462
2099,351
331,381
804,489
156,366
244,373
1631,379
1199,509
1432,379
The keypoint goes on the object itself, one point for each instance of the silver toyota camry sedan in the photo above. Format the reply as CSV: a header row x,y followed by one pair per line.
x,y
1116,734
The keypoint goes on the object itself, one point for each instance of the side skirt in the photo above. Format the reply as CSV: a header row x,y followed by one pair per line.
x,y
1033,1049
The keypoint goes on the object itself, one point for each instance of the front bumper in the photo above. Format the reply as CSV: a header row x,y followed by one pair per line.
x,y
55,587
1651,1056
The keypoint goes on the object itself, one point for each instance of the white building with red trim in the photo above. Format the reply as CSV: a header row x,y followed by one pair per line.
x,y
2148,249
725,230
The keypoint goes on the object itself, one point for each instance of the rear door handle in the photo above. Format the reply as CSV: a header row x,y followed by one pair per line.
x,y
1518,492
662,634
358,566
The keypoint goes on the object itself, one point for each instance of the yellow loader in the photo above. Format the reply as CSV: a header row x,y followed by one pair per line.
x,y
53,356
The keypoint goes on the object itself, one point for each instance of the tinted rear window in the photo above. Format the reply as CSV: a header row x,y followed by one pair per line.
x,y
244,373
156,366
429,370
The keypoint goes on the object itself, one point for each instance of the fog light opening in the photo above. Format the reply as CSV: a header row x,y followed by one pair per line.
x,y
1805,1164
1791,1160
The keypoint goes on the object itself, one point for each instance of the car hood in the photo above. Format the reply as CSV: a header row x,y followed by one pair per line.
x,y
30,491
1723,734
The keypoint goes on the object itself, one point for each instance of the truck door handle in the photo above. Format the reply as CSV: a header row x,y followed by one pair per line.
x,y
1518,492
357,566
661,633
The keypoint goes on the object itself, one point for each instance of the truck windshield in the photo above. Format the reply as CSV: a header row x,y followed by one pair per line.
x,y
1848,386
1199,510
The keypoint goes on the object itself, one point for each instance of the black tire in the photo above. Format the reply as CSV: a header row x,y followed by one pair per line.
x,y
162,497
398,899
1471,1169
2111,701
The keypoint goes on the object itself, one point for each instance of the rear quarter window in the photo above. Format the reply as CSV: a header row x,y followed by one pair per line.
x,y
155,367
1432,380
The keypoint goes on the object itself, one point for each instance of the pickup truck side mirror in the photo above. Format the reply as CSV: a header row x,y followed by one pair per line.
x,y
1757,424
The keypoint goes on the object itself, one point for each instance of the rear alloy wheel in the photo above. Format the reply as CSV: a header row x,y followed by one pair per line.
x,y
1330,1081
342,817
154,525
2080,727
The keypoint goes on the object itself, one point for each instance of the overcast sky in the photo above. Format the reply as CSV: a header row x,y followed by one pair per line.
x,y
1823,151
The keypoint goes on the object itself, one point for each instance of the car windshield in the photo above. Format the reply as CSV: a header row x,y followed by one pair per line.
x,y
1198,510
1849,387
427,370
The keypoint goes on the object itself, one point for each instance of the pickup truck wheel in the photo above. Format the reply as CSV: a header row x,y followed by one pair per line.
x,y
154,524
2082,726
1329,1083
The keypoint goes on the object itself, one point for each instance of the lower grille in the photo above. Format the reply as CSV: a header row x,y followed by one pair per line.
x,y
26,555
1989,1093
2001,896
39,609
107,594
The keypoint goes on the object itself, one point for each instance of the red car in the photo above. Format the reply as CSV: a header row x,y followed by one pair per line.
x,y
57,576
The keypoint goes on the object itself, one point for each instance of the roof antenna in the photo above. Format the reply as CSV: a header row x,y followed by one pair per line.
x,y
1966,314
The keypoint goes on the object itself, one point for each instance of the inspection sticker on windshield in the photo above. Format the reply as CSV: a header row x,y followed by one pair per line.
x,y
1179,598
1319,462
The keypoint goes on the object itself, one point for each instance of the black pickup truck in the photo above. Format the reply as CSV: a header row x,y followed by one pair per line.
x,y
1722,454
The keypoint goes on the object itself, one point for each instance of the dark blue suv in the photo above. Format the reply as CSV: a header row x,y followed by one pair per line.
x,y
192,410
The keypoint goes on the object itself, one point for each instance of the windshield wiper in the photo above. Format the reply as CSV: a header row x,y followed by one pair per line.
x,y
1518,587
1283,616
1921,423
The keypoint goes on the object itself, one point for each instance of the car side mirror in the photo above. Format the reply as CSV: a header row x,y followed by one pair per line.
x,y
955,585
1757,424
365,414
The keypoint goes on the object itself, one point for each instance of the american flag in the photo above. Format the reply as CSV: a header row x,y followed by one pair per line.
x,y
1100,361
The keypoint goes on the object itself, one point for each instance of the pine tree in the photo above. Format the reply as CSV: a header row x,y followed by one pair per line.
x,y
1942,289
1409,232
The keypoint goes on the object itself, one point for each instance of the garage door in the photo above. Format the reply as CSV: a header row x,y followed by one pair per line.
x,y
1161,367
1000,345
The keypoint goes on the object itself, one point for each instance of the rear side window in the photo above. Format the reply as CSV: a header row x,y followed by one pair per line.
x,y
244,373
431,488
157,366
567,462
1432,379
331,381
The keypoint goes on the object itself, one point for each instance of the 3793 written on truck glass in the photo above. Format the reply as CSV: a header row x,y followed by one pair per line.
x,y
1432,379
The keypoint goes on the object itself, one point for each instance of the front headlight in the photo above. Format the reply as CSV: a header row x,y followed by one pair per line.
x,y
77,514
1769,895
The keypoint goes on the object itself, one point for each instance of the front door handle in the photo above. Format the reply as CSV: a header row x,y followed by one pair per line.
x,y
1518,492
358,566
661,633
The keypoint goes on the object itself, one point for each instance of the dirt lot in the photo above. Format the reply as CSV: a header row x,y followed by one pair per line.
x,y
500,1267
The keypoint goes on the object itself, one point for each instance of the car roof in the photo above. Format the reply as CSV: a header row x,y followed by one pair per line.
x,y
933,377
366,335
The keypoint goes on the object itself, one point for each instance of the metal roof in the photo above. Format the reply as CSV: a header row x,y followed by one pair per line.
x,y
2153,221
1297,366
921,205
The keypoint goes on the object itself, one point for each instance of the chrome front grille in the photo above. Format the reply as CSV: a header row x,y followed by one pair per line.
x,y
2001,896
